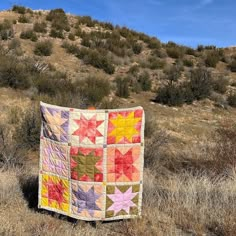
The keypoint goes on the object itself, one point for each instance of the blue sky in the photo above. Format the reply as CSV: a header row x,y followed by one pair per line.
x,y
188,22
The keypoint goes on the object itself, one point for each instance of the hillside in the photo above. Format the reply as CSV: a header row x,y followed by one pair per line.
x,y
189,96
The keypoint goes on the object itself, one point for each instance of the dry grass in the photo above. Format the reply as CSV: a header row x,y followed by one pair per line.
x,y
178,205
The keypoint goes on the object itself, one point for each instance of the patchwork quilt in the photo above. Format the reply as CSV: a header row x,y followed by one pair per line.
x,y
91,162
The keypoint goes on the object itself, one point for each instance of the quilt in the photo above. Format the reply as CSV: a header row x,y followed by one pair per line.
x,y
91,162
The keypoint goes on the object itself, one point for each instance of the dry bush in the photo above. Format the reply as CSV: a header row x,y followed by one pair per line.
x,y
40,27
43,48
11,152
232,99
224,153
28,131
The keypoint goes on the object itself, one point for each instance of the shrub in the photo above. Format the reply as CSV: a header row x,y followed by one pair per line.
x,y
14,44
86,42
56,33
107,25
71,37
29,34
59,20
159,53
232,65
200,48
43,48
190,51
133,70
97,60
11,154
40,27
71,48
145,81
53,84
6,30
19,9
170,94
28,132
86,20
23,19
122,87
94,89
188,63
175,52
153,43
224,152
232,99
200,83
155,63
212,58
91,57
220,84
172,74
137,48
13,73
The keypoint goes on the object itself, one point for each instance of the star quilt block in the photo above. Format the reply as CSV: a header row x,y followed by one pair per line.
x,y
87,128
91,162
55,193
87,200
55,123
86,164
123,163
122,200
124,127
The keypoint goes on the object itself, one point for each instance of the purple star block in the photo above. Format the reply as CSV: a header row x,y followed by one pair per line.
x,y
86,200
55,123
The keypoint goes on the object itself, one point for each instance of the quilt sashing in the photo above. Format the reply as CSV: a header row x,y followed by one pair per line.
x,y
91,162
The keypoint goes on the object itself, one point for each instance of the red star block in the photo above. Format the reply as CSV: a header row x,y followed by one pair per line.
x,y
55,192
88,128
124,164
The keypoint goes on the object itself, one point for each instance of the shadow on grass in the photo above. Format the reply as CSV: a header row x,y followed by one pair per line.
x,y
30,186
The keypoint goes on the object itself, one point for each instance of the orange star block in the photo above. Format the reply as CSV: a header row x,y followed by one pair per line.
x,y
88,128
